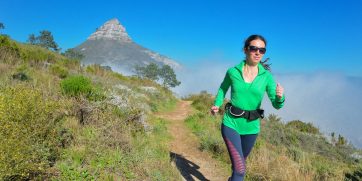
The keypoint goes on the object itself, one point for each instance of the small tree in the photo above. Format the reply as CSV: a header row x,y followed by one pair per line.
x,y
45,39
32,39
138,70
341,140
151,71
168,76
333,135
2,26
73,54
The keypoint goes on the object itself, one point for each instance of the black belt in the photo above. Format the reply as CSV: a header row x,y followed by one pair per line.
x,y
249,115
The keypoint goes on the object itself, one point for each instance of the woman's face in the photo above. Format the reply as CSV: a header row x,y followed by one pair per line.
x,y
253,53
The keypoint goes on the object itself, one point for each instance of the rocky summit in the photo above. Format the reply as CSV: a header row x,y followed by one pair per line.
x,y
111,30
110,45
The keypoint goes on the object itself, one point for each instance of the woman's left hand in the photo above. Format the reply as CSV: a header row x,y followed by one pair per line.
x,y
279,91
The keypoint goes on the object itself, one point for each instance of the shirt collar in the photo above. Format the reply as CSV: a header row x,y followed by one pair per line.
x,y
260,67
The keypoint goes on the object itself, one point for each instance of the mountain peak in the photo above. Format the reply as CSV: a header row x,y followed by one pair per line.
x,y
111,46
111,30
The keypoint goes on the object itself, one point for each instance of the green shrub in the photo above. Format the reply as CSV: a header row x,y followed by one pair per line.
x,y
36,54
97,93
21,76
96,69
354,175
202,101
28,133
207,128
70,63
303,127
9,50
296,154
59,71
76,86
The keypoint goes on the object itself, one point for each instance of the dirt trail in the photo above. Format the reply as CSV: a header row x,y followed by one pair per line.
x,y
192,163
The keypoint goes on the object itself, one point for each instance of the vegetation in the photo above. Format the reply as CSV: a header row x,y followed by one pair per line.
x,y
2,26
303,127
153,72
283,151
76,86
45,39
168,77
62,121
29,132
73,54
9,51
67,122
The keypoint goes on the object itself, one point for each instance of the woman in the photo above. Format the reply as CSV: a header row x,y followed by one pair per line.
x,y
249,81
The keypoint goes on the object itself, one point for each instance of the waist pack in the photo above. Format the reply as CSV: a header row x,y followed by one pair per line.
x,y
249,115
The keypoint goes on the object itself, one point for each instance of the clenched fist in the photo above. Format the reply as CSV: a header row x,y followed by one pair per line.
x,y
214,110
279,91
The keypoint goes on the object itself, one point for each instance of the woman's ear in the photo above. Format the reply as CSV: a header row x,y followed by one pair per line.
x,y
245,50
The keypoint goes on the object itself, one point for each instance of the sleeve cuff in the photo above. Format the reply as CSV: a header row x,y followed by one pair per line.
x,y
281,100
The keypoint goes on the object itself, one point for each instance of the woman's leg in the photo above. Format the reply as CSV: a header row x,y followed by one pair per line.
x,y
232,141
247,143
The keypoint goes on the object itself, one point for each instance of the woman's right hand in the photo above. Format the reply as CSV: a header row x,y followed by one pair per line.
x,y
214,110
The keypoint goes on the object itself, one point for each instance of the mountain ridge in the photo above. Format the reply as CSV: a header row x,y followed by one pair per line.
x,y
110,45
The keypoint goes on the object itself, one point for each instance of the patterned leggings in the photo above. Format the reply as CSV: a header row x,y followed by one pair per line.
x,y
239,147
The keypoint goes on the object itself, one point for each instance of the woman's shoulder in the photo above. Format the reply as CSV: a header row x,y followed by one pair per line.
x,y
233,70
236,68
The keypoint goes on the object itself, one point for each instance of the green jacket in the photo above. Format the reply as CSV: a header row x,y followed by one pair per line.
x,y
247,96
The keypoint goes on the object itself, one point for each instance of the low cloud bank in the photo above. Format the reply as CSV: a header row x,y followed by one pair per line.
x,y
331,101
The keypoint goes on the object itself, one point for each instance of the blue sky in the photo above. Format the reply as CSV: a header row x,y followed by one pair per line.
x,y
304,36
315,46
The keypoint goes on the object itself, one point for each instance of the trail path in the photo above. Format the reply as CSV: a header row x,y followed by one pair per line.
x,y
192,163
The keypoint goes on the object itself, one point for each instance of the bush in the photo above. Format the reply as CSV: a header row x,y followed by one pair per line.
x,y
28,133
303,127
207,129
96,69
8,49
76,86
202,101
60,71
20,76
355,175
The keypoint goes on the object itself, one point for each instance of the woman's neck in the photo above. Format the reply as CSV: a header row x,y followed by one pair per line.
x,y
251,66
250,72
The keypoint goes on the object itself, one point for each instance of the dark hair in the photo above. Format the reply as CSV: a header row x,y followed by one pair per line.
x,y
257,37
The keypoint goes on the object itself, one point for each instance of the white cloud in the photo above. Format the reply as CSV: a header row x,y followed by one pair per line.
x,y
330,100
206,75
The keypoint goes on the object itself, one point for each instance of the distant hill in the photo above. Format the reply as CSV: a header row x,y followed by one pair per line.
x,y
111,46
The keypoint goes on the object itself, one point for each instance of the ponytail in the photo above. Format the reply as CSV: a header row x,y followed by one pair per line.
x,y
266,65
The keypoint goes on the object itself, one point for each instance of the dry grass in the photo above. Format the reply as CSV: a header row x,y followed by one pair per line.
x,y
269,165
108,144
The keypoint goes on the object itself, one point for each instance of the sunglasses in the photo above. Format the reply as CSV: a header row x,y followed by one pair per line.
x,y
255,49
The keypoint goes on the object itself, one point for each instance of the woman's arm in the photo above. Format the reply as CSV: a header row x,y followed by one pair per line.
x,y
276,95
223,90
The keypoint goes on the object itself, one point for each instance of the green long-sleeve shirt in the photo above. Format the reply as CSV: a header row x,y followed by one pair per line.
x,y
247,96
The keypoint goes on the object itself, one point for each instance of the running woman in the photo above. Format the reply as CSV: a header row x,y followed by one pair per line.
x,y
241,121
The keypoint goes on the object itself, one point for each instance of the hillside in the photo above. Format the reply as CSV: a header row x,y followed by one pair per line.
x,y
62,121
283,151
